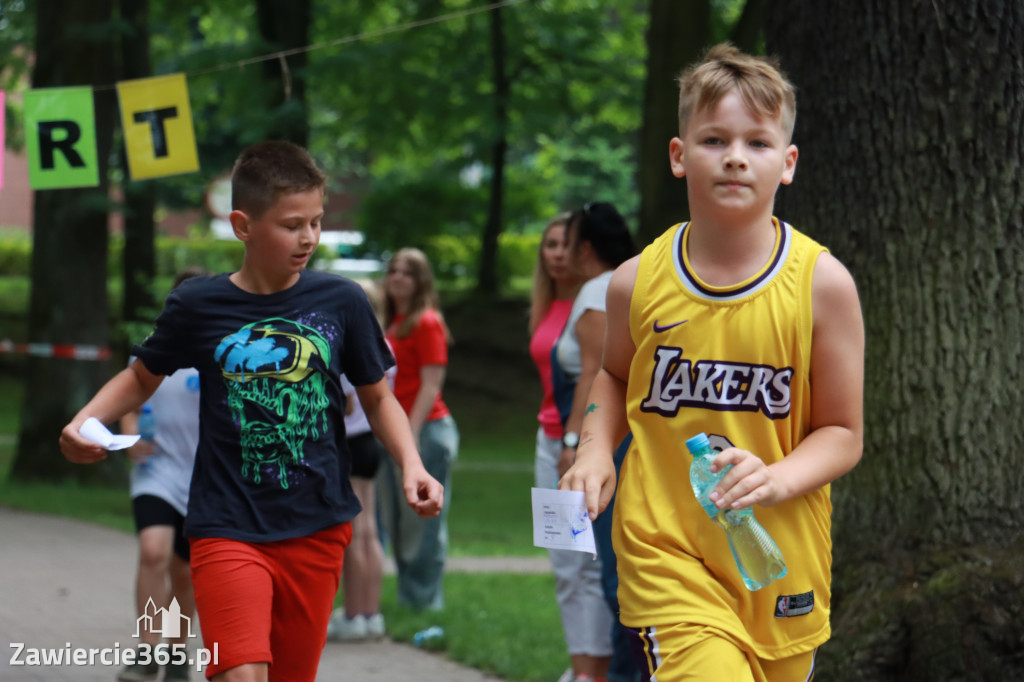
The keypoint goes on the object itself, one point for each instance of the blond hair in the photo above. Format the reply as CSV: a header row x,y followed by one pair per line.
x,y
424,297
543,292
760,82
372,291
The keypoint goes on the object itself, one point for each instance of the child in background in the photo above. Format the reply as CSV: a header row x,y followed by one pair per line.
x,y
270,503
586,620
598,241
364,558
419,337
159,490
739,326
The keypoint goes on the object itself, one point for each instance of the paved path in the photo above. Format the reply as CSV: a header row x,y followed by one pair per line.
x,y
65,583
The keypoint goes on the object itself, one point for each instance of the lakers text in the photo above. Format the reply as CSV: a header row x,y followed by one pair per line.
x,y
161,654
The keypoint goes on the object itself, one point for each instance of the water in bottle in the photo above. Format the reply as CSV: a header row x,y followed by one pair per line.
x,y
147,423
757,557
147,428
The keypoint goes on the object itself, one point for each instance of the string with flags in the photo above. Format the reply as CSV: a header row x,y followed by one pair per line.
x,y
156,117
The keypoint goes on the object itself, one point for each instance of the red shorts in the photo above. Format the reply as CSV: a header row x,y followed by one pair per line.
x,y
268,602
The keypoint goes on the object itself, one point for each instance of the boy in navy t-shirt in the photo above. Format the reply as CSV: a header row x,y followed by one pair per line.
x,y
270,499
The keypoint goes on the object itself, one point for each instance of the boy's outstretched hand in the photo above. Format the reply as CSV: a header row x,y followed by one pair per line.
x,y
423,492
595,476
78,449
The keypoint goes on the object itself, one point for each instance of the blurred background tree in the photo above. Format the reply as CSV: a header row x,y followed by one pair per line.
x,y
909,127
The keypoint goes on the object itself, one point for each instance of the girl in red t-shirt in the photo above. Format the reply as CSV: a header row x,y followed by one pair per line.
x,y
419,337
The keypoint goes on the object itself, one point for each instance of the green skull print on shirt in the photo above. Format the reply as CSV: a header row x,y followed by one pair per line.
x,y
275,372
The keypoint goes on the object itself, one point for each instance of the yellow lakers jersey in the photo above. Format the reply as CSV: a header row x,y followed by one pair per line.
x,y
734,363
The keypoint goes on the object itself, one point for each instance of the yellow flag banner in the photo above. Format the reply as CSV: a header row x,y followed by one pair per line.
x,y
157,122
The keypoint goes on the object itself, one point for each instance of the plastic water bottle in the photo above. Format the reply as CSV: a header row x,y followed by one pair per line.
x,y
147,423
434,632
147,427
757,557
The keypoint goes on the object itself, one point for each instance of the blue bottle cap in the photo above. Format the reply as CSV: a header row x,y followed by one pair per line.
x,y
698,443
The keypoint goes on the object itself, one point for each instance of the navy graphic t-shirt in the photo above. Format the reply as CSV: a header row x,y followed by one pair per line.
x,y
272,463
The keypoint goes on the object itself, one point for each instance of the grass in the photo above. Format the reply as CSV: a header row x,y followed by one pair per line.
x,y
502,623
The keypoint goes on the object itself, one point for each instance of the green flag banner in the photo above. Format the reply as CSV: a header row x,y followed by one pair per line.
x,y
60,135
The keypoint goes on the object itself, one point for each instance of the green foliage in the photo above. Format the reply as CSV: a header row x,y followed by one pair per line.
x,y
413,115
15,253
405,210
454,257
17,33
173,254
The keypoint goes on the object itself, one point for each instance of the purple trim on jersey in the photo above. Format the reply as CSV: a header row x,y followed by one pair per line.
x,y
645,651
692,283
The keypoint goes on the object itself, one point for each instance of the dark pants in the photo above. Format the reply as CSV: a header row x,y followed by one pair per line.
x,y
623,667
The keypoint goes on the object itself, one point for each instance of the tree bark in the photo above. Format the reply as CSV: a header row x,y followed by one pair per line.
x,y
138,258
678,35
68,302
910,131
487,277
285,26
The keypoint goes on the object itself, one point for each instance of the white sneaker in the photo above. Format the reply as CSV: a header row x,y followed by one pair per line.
x,y
375,626
343,629
567,676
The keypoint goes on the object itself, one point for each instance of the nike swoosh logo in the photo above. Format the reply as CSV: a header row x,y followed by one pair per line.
x,y
658,328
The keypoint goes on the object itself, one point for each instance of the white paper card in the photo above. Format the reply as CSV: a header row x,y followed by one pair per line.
x,y
94,430
560,520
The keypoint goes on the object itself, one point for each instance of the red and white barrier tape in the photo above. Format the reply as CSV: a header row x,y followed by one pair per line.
x,y
56,350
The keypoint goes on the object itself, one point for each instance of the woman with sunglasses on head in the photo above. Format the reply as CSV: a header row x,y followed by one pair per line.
x,y
577,576
598,241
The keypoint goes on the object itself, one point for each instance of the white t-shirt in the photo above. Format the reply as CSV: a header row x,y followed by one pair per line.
x,y
168,472
356,422
591,297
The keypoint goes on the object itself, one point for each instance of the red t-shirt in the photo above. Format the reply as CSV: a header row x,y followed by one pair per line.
x,y
426,345
541,343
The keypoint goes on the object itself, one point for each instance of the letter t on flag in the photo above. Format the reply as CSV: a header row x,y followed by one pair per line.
x,y
157,122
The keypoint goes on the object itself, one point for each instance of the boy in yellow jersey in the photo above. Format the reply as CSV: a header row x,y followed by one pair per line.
x,y
723,325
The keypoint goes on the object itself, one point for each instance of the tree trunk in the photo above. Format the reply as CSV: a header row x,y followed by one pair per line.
x,y
910,131
68,303
285,26
138,260
677,35
488,274
748,33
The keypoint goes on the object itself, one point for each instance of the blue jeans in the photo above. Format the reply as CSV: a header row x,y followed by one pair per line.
x,y
420,546
623,666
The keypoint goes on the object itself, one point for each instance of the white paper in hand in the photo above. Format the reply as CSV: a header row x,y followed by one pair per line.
x,y
94,430
560,520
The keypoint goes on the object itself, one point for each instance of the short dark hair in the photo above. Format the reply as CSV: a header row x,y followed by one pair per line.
x,y
266,170
601,224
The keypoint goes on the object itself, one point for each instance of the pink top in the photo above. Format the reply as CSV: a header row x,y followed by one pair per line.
x,y
543,340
